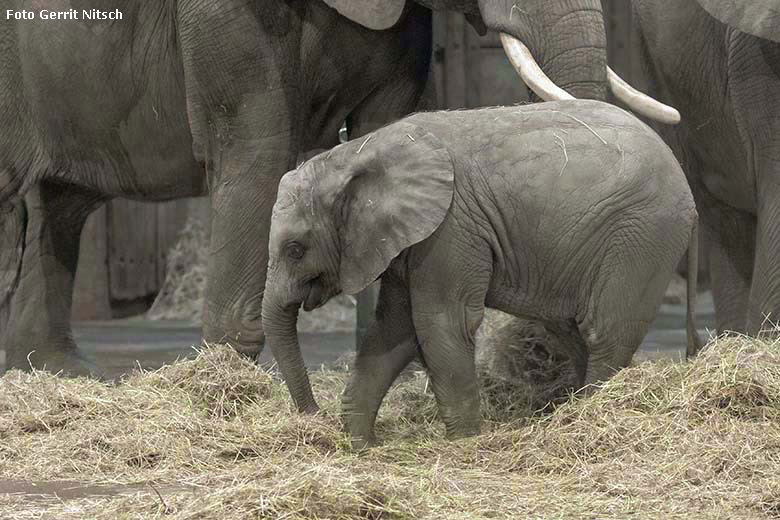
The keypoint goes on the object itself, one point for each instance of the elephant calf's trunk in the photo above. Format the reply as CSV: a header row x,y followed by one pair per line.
x,y
282,337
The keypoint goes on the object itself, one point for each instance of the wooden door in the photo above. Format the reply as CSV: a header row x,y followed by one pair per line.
x,y
124,253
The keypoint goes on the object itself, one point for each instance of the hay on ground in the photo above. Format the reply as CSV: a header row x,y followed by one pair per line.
x,y
181,296
216,437
520,364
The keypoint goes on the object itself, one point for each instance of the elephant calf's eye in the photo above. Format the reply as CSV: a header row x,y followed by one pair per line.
x,y
295,251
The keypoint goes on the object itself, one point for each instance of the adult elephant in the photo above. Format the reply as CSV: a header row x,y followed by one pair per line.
x,y
180,98
726,81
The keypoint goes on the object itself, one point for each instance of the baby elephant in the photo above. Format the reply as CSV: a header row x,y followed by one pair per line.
x,y
573,213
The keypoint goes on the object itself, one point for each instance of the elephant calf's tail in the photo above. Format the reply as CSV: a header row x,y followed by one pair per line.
x,y
694,341
13,225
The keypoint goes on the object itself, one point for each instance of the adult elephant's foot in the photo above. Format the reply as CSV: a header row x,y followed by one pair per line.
x,y
247,343
251,350
67,361
361,444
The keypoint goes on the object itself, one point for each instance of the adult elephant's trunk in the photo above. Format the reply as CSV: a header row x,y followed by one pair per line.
x,y
559,49
566,38
279,322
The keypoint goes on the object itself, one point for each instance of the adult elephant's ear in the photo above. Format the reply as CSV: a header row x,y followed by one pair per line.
x,y
757,17
386,191
374,14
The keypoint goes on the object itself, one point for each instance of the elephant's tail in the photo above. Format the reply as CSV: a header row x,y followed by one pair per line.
x,y
694,341
13,226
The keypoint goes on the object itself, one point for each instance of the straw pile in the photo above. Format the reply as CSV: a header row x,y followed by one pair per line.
x,y
181,296
520,364
215,437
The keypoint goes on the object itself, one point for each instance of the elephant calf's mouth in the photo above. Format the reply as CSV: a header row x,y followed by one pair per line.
x,y
317,295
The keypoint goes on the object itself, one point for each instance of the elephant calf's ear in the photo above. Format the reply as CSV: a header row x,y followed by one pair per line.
x,y
757,17
399,191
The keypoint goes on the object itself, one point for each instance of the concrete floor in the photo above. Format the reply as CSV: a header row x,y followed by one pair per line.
x,y
120,345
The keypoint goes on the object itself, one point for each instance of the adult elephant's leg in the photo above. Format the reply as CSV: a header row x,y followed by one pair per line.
x,y
39,329
401,91
754,88
730,236
240,225
241,71
764,307
388,347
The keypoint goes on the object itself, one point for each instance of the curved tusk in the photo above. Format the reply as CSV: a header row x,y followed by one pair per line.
x,y
530,72
641,103
533,76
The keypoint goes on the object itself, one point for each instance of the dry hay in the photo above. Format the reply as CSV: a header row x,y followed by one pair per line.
x,y
182,294
216,438
520,364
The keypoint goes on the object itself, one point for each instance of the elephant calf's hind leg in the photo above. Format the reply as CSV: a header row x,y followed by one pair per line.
x,y
621,313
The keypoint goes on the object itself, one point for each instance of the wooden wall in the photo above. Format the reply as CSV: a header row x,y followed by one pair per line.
x,y
125,244
124,249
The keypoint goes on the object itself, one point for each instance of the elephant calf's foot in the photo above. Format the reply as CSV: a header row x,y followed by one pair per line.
x,y
69,362
461,425
362,436
363,442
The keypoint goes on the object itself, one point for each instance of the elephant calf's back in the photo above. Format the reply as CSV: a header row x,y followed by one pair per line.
x,y
569,187
563,166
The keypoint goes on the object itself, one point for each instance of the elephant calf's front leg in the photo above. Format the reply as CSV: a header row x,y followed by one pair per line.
x,y
448,303
447,343
388,347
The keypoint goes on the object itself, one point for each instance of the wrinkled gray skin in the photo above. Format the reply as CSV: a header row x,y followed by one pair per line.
x,y
572,213
184,95
726,84
176,97
566,37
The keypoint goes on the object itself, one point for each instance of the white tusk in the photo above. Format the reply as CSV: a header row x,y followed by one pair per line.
x,y
533,76
530,72
641,103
